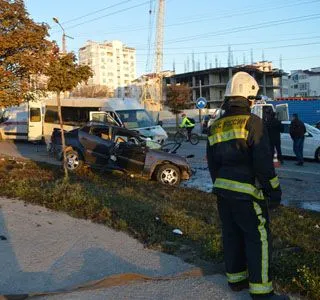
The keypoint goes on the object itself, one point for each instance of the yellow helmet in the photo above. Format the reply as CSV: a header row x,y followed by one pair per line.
x,y
242,85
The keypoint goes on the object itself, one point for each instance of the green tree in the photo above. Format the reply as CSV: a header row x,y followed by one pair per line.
x,y
64,74
178,99
24,51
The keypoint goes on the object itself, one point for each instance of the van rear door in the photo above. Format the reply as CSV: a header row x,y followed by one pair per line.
x,y
282,111
35,120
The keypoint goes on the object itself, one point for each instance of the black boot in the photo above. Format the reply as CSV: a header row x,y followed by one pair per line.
x,y
239,286
271,296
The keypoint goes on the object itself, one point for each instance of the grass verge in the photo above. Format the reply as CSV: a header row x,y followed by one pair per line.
x,y
150,212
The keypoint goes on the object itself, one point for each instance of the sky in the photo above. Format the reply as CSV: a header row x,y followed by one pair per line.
x,y
207,28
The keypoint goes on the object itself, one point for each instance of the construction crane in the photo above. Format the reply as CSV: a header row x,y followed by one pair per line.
x,y
159,37
159,53
152,91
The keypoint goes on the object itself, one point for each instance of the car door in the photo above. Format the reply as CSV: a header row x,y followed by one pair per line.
x,y
35,121
282,112
308,146
286,141
131,156
97,144
131,151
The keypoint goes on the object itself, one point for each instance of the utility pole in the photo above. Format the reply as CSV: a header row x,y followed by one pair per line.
x,y
229,56
205,61
200,91
193,63
64,45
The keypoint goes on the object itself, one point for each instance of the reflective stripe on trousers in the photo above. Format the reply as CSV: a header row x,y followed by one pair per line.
x,y
237,186
265,286
237,277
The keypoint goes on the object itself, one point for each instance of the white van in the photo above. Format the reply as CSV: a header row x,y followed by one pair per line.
x,y
124,112
260,108
131,115
28,122
23,122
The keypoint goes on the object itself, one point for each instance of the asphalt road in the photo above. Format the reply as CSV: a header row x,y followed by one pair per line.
x,y
300,185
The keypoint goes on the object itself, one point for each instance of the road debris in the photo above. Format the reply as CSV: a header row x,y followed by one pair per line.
x,y
177,231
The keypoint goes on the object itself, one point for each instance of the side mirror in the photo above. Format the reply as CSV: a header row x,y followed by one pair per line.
x,y
160,123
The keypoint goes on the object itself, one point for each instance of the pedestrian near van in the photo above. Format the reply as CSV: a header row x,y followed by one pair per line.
x,y
297,132
274,128
243,175
187,123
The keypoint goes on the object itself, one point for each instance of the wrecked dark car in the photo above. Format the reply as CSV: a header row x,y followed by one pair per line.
x,y
111,147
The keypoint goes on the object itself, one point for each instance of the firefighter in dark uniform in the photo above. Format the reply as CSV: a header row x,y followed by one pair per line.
x,y
244,180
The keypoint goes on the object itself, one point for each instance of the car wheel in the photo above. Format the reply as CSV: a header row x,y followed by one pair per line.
x,y
169,174
317,155
74,160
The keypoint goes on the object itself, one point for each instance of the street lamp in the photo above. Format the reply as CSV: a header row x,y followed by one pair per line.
x,y
64,48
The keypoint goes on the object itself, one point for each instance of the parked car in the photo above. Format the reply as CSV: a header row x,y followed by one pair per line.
x,y
113,147
311,147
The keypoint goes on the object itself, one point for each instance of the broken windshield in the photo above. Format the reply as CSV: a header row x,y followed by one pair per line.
x,y
138,118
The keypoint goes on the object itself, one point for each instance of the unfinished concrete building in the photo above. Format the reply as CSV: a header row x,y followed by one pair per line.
x,y
211,83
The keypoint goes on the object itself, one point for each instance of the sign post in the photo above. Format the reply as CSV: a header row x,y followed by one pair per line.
x,y
200,104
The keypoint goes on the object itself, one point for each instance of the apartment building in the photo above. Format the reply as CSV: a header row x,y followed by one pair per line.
x,y
113,64
304,83
211,83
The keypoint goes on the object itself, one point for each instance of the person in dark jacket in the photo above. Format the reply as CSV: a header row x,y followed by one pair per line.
x,y
274,128
297,132
244,180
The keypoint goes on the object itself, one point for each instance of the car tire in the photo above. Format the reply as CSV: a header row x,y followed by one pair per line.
x,y
317,155
74,160
168,174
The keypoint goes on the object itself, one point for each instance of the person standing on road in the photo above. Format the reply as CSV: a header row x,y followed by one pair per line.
x,y
188,124
243,175
297,132
274,128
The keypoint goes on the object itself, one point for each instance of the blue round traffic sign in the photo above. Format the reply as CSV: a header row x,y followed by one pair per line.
x,y
201,103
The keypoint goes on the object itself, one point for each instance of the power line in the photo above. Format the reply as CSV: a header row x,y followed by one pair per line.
x,y
95,12
238,50
143,27
247,28
241,44
110,14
